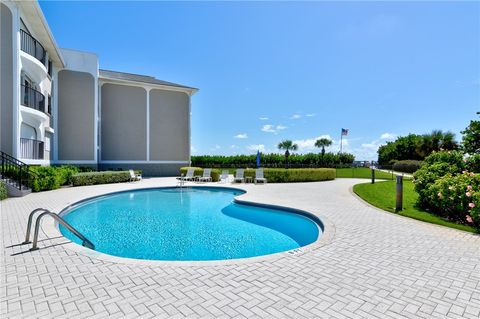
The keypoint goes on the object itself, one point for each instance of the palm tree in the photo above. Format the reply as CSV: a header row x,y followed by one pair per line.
x,y
448,141
323,142
436,141
287,145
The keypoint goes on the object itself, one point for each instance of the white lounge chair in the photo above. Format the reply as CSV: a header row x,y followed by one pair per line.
x,y
134,177
207,175
259,176
239,175
189,176
224,176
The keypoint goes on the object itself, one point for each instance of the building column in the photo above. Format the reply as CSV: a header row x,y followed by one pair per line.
x,y
16,82
148,123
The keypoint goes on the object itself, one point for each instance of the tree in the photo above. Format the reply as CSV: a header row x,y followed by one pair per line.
x,y
323,142
471,137
287,145
436,141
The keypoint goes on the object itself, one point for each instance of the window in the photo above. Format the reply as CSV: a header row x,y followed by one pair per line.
x,y
50,71
49,105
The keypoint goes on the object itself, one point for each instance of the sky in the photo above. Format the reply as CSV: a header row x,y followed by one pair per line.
x,y
270,71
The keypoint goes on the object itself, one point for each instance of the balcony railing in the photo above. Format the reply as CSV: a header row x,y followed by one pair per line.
x,y
31,46
31,149
33,99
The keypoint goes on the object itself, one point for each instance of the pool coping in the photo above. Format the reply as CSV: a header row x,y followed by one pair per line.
x,y
51,228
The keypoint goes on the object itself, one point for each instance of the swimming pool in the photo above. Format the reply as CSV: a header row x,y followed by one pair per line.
x,y
195,223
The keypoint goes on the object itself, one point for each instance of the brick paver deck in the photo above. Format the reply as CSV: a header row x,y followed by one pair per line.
x,y
377,265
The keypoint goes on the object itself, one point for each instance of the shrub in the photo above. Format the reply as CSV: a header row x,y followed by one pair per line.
x,y
44,178
199,172
295,175
472,163
95,178
436,165
3,190
407,166
66,173
456,198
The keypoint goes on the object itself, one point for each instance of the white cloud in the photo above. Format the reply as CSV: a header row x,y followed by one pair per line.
x,y
295,117
193,150
256,147
310,115
269,128
388,136
309,143
241,136
263,118
233,146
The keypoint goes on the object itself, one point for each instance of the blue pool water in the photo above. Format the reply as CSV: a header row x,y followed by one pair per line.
x,y
186,224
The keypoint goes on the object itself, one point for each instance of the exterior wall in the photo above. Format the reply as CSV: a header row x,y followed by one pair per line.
x,y
169,126
85,65
6,80
123,123
76,116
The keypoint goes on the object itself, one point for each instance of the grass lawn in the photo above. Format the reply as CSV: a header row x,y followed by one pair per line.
x,y
362,172
382,195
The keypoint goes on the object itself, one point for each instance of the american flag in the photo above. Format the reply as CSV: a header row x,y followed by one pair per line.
x,y
344,131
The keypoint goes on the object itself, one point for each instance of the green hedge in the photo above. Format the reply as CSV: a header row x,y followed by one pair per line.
x,y
279,175
44,178
199,172
3,190
295,175
407,166
274,160
95,178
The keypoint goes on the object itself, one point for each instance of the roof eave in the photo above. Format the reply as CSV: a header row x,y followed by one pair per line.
x,y
188,90
32,8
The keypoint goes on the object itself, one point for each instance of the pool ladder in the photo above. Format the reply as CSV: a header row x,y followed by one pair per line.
x,y
85,242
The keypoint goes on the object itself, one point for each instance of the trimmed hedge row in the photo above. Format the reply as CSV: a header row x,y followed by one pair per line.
x,y
295,175
274,160
279,175
407,166
3,190
95,178
199,172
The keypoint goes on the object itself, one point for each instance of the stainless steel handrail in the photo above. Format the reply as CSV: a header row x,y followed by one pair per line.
x,y
85,242
29,225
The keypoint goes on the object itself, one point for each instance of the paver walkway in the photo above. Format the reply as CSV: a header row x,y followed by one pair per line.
x,y
377,265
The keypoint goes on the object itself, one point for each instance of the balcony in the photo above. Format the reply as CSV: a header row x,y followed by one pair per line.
x,y
31,149
31,46
32,98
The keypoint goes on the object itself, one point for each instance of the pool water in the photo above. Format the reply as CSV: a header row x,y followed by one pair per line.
x,y
186,224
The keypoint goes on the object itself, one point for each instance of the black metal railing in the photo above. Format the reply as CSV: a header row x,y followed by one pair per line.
x,y
31,46
31,149
14,172
33,98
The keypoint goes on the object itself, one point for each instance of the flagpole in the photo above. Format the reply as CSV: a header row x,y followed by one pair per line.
x,y
341,140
